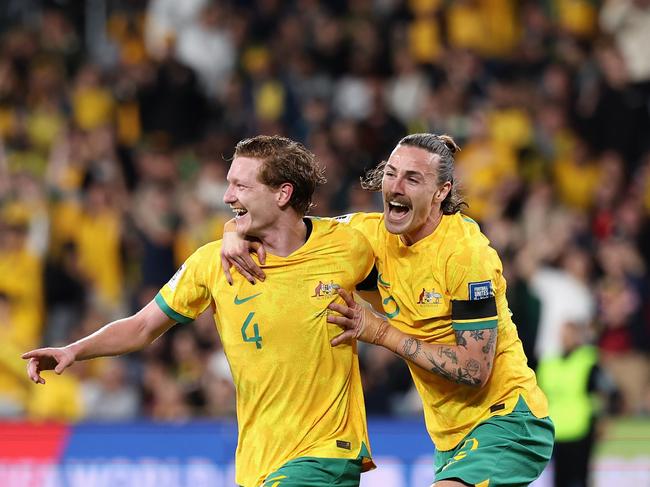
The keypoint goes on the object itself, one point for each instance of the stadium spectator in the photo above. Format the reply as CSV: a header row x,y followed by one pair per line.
x,y
576,385
568,83
111,396
13,400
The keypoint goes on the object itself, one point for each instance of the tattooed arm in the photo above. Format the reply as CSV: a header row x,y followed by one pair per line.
x,y
468,362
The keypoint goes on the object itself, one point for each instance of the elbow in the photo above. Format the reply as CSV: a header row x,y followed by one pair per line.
x,y
143,334
480,377
478,382
484,377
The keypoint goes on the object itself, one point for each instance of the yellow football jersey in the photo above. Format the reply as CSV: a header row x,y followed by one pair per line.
x,y
296,394
433,287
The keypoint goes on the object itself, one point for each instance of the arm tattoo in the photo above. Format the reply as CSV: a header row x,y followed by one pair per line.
x,y
472,367
411,348
439,368
489,346
476,334
449,353
461,375
461,341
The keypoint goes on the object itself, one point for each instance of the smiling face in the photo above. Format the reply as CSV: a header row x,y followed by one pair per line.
x,y
255,204
412,196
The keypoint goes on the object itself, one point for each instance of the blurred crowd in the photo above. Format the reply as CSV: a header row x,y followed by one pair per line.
x,y
117,119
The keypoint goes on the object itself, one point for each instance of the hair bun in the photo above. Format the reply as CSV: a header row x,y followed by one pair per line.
x,y
449,142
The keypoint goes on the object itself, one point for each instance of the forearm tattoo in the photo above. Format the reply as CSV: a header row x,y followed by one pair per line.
x,y
449,353
411,348
468,374
461,363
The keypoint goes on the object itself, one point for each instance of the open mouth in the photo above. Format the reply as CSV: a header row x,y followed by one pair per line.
x,y
398,210
239,212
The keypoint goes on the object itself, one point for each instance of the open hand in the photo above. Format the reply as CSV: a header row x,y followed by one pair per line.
x,y
357,321
57,359
236,251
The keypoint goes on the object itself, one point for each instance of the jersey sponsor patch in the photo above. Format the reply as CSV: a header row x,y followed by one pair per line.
x,y
173,282
480,290
343,444
344,218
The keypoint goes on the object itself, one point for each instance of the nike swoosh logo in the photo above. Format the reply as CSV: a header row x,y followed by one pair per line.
x,y
243,300
382,282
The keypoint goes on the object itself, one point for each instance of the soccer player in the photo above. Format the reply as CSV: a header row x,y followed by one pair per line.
x,y
300,404
443,294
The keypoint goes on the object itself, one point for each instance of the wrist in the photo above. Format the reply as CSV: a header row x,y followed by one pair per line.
x,y
74,349
387,336
230,226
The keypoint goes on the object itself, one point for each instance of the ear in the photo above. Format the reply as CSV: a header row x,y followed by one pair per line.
x,y
442,192
284,193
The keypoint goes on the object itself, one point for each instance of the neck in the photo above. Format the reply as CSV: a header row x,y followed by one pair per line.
x,y
426,229
286,236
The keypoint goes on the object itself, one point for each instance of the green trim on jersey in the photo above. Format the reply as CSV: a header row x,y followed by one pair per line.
x,y
160,301
474,325
468,219
364,453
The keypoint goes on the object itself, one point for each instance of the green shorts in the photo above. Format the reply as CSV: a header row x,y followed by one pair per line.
x,y
507,450
316,472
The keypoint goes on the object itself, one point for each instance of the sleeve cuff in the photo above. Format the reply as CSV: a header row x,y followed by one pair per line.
x,y
160,301
474,325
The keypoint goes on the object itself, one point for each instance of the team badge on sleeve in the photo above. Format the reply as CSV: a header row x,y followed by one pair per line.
x,y
480,290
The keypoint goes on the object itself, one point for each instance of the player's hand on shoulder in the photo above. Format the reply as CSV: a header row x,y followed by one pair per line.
x,y
57,359
236,251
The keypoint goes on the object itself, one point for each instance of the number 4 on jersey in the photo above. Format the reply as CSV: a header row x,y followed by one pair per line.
x,y
256,338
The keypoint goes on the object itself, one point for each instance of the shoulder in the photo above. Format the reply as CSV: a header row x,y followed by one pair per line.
x,y
345,242
462,226
465,233
336,230
208,250
364,223
207,256
466,241
360,221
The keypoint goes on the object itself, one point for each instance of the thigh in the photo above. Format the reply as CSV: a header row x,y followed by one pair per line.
x,y
316,472
508,450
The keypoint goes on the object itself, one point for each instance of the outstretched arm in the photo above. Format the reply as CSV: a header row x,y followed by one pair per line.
x,y
468,362
115,338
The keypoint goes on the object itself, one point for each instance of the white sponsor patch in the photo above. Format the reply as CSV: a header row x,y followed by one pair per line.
x,y
344,218
173,282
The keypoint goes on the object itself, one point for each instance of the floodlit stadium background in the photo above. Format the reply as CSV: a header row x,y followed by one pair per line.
x,y
116,116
